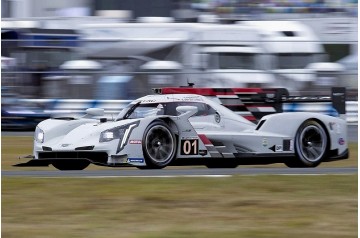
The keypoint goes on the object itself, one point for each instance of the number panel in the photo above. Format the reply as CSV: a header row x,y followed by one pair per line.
x,y
189,147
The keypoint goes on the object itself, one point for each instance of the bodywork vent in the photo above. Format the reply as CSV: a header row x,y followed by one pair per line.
x,y
85,148
287,145
260,124
45,148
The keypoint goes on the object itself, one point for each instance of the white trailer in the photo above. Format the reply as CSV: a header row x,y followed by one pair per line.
x,y
250,54
209,55
229,56
297,54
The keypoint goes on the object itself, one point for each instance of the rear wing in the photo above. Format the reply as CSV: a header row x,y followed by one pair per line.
x,y
254,103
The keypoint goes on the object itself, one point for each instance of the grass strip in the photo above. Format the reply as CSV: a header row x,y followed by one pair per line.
x,y
238,206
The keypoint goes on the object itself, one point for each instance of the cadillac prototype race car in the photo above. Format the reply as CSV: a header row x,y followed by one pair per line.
x,y
174,128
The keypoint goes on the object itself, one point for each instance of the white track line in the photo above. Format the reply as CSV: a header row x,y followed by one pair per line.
x,y
141,176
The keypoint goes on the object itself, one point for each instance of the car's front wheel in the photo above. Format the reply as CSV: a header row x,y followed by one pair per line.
x,y
159,145
71,165
311,145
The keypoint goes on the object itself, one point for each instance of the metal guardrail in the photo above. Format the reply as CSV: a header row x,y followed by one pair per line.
x,y
76,107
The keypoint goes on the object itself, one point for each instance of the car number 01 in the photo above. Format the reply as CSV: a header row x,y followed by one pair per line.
x,y
189,147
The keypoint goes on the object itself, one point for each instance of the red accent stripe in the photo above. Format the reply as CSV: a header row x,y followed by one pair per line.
x,y
204,139
210,91
250,118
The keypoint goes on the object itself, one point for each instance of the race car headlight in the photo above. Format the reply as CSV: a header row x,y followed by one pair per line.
x,y
120,132
39,135
107,136
112,134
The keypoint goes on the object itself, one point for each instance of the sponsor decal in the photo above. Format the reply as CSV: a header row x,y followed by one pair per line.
x,y
135,142
135,160
278,148
189,137
202,152
188,99
186,130
148,101
341,141
264,142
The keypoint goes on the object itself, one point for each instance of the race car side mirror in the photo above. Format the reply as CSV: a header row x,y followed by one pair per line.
x,y
187,111
95,112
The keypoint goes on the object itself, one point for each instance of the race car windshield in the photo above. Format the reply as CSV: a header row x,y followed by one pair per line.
x,y
134,111
138,110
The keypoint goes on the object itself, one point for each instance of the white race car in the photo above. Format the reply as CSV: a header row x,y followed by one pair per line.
x,y
156,131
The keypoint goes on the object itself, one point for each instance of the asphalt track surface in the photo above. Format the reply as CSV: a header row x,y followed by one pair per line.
x,y
183,171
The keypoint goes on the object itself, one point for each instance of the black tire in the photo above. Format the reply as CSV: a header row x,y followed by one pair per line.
x,y
311,145
71,165
159,147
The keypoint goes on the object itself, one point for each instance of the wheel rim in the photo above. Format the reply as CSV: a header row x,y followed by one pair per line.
x,y
313,143
160,144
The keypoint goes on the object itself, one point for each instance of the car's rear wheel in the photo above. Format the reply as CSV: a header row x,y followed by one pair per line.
x,y
71,165
159,145
311,145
